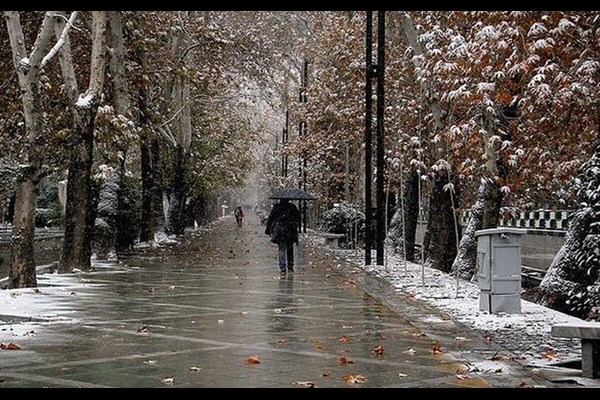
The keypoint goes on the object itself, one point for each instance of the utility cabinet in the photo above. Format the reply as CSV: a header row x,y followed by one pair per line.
x,y
499,269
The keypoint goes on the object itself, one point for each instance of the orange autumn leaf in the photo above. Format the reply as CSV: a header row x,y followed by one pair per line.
x,y
344,338
378,351
354,378
436,348
10,346
549,354
252,360
343,360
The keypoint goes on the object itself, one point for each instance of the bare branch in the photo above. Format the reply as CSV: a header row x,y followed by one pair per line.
x,y
43,39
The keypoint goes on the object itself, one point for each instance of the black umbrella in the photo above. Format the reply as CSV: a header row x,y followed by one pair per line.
x,y
292,194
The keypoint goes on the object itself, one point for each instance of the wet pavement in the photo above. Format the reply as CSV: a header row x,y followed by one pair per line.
x,y
196,315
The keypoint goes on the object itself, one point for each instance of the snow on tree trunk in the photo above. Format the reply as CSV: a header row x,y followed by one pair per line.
x,y
157,192
572,283
467,249
440,240
411,217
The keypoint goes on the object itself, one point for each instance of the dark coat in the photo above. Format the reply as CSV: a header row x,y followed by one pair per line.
x,y
283,223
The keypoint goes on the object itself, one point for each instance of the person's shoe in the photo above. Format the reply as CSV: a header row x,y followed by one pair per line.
x,y
290,268
282,273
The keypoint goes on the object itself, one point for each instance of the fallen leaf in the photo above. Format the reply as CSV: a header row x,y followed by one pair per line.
x,y
349,282
151,290
252,360
150,362
436,348
10,346
277,311
326,374
15,294
417,334
282,341
461,376
143,330
344,338
29,333
346,326
382,336
410,351
36,290
317,344
487,336
171,287
307,384
73,293
354,378
378,351
498,371
343,360
522,385
221,321
549,354
168,380
401,375
244,313
195,369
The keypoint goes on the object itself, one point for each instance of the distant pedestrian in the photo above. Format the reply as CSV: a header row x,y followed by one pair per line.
x,y
282,225
239,215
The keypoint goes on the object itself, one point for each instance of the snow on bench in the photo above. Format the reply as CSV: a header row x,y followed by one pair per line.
x,y
332,240
589,333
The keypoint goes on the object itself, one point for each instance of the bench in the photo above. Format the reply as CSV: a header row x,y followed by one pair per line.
x,y
589,333
332,240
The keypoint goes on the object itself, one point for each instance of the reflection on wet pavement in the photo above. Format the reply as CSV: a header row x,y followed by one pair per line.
x,y
191,315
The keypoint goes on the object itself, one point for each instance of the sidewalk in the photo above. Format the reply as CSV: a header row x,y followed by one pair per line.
x,y
202,313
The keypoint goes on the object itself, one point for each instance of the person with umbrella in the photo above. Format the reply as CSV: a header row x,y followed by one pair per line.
x,y
283,225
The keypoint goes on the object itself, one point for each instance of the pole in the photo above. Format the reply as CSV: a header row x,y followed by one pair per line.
x,y
380,235
368,134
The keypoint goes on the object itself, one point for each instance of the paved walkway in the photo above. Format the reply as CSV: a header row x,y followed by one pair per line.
x,y
200,311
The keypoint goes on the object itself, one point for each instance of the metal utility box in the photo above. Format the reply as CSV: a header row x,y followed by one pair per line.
x,y
499,269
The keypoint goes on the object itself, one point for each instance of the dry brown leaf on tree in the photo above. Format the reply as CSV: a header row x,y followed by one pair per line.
x,y
307,384
252,360
354,378
378,351
343,360
344,338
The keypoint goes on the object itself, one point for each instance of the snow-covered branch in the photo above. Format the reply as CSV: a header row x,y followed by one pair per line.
x,y
61,40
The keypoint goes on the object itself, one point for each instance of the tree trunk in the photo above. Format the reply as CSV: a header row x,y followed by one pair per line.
x,y
157,192
21,271
411,217
110,197
77,251
485,214
27,66
147,222
572,283
77,243
440,241
176,221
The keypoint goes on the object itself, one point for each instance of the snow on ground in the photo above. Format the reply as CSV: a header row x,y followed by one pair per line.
x,y
526,334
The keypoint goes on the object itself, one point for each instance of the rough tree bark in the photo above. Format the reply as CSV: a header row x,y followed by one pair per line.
x,y
411,216
76,251
28,68
572,283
